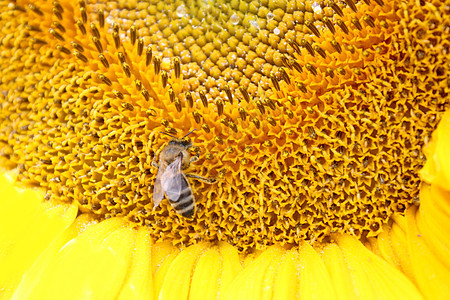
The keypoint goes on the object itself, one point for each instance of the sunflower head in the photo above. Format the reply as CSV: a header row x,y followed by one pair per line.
x,y
310,115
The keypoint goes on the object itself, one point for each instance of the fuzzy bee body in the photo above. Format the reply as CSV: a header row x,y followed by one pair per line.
x,y
170,179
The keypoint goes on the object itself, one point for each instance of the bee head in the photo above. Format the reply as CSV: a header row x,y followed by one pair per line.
x,y
184,142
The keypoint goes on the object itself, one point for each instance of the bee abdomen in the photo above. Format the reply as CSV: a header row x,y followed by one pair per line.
x,y
185,204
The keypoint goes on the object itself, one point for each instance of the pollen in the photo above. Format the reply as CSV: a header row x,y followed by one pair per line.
x,y
310,115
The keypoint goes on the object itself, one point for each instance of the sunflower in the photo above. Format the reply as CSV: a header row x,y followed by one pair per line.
x,y
320,128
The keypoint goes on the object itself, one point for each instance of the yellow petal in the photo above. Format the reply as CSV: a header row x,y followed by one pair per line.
x,y
339,273
435,198
178,277
267,285
139,282
162,256
249,258
32,276
372,244
254,280
442,148
399,244
431,274
231,266
433,222
373,277
429,171
315,281
27,227
286,281
385,247
94,264
437,167
205,281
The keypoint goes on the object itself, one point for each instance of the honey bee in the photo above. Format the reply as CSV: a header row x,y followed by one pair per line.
x,y
170,180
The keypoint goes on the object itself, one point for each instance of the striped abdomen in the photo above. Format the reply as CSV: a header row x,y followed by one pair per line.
x,y
185,204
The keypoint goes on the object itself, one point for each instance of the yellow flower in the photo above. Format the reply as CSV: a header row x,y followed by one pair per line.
x,y
311,117
49,253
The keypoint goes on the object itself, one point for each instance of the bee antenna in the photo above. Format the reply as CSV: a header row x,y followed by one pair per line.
x,y
190,132
175,136
168,134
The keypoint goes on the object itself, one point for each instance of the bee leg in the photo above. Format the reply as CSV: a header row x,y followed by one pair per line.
x,y
206,180
155,164
193,159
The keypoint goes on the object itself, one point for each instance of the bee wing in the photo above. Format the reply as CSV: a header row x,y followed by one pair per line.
x,y
158,192
171,180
